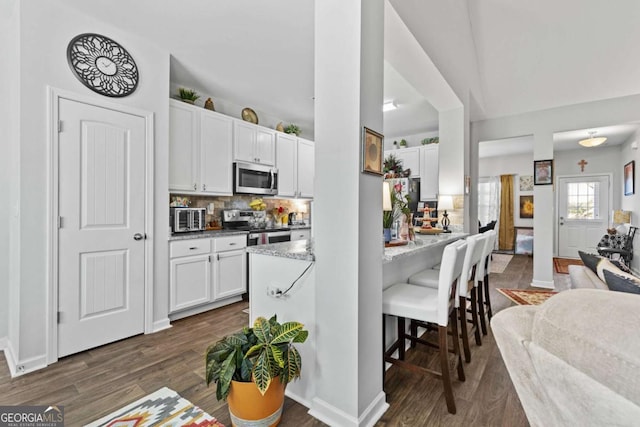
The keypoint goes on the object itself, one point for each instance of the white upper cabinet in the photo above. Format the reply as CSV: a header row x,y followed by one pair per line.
x,y
200,147
216,162
253,144
306,168
183,147
410,160
286,162
266,146
295,163
429,172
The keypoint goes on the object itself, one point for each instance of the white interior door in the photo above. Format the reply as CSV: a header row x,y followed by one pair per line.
x,y
583,213
101,184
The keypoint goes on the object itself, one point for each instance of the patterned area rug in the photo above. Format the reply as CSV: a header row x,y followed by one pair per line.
x,y
526,297
164,408
562,264
499,262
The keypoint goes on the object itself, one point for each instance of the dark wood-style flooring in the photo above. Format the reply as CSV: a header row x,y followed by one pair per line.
x,y
99,381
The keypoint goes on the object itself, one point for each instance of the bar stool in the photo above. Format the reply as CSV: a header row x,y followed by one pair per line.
x,y
473,257
484,297
429,306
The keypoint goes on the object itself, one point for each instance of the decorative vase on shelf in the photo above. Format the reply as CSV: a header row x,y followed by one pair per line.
x,y
387,234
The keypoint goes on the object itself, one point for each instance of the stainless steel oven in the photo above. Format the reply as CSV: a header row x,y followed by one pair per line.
x,y
249,178
266,237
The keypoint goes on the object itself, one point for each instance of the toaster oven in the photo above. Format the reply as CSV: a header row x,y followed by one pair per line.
x,y
187,219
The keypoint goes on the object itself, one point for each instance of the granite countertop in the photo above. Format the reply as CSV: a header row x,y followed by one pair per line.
x,y
205,234
299,249
422,243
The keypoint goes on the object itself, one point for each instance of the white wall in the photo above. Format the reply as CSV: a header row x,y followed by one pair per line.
x,y
516,165
413,140
630,203
8,119
46,29
230,108
542,125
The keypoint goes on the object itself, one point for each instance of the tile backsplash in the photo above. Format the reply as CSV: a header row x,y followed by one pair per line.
x,y
242,202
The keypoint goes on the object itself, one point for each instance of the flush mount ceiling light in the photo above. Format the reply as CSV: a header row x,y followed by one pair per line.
x,y
388,106
591,141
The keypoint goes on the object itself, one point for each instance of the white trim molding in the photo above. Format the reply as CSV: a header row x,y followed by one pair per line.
x,y
333,416
160,325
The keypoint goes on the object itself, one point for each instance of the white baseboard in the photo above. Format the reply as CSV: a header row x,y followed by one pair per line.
x,y
202,308
18,368
297,398
3,343
543,284
333,416
160,325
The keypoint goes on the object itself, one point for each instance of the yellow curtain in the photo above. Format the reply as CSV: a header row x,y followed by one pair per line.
x,y
505,234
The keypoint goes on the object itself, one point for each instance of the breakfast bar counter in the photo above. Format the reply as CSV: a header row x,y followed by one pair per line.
x,y
422,243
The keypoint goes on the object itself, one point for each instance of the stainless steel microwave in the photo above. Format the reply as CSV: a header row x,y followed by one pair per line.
x,y
249,178
187,219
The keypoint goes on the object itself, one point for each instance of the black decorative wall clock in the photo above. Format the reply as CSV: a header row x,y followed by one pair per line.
x,y
102,65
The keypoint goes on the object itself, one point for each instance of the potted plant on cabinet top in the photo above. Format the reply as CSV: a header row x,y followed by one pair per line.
x,y
188,95
403,143
253,366
292,128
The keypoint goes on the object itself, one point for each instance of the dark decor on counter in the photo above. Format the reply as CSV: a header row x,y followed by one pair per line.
x,y
102,65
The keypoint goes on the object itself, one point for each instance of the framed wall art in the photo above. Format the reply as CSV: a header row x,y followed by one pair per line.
x,y
629,178
372,143
526,206
542,172
526,182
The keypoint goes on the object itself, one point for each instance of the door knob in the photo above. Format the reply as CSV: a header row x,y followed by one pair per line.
x,y
137,236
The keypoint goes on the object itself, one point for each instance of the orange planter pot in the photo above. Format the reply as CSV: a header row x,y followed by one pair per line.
x,y
248,407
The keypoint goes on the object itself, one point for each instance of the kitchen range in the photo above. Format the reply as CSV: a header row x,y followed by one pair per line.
x,y
255,222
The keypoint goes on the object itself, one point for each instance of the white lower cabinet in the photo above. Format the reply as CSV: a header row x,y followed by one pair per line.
x,y
206,271
229,274
229,266
304,234
190,278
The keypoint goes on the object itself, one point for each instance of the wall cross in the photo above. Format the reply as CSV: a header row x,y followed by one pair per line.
x,y
582,163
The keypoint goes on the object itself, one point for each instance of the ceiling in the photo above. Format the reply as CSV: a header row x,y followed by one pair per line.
x,y
528,55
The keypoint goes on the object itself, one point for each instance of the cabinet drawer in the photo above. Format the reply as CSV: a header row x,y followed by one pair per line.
x,y
221,244
189,247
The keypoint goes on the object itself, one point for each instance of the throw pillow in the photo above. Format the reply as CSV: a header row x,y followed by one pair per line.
x,y
590,260
621,265
619,283
606,264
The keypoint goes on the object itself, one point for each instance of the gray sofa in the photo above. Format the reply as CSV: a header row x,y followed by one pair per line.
x,y
575,360
583,278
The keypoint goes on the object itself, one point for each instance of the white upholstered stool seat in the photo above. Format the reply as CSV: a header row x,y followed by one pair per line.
x,y
428,277
432,308
484,297
411,301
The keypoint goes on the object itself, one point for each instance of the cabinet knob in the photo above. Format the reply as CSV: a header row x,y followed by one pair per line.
x,y
137,236
204,187
195,186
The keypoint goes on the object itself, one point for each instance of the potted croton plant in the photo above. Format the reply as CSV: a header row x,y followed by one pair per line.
x,y
252,368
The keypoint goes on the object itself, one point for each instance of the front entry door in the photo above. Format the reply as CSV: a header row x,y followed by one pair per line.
x,y
583,213
101,254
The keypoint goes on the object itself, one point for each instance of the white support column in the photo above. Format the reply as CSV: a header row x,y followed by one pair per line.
x,y
348,213
543,224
